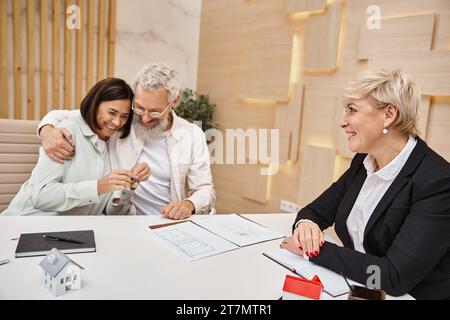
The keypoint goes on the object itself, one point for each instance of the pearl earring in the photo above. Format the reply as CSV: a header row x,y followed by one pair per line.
x,y
385,130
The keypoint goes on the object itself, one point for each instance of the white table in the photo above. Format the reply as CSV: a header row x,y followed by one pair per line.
x,y
129,264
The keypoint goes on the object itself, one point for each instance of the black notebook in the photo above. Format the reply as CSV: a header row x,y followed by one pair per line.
x,y
35,244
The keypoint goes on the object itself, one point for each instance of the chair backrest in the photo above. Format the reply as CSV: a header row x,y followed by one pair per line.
x,y
19,150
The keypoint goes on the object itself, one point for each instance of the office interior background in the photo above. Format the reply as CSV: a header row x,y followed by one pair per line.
x,y
266,64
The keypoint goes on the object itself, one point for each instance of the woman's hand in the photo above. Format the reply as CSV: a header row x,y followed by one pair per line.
x,y
115,181
309,238
288,243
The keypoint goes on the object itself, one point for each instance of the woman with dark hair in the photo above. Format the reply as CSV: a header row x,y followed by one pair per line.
x,y
84,184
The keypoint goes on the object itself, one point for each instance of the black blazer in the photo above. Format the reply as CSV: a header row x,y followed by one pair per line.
x,y
408,234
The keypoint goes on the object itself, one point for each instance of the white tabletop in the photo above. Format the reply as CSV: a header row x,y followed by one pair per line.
x,y
129,264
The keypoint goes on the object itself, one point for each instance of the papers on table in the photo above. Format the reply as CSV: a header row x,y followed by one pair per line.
x,y
192,242
334,284
239,230
197,239
3,259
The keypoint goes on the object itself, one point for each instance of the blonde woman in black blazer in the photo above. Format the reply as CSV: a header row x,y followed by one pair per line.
x,y
391,208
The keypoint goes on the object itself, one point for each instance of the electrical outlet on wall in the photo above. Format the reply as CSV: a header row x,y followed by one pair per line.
x,y
288,206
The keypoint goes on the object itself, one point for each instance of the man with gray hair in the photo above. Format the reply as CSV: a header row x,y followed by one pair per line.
x,y
180,183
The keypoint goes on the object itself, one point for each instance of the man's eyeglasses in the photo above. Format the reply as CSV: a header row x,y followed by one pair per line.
x,y
155,115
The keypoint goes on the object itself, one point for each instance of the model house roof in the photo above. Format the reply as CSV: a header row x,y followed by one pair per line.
x,y
304,287
55,261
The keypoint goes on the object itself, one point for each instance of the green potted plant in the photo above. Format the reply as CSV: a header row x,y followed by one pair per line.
x,y
196,107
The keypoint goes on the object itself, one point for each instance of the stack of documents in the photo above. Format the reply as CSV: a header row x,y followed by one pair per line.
x,y
334,284
197,239
3,259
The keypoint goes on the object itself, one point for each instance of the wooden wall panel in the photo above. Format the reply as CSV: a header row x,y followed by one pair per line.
x,y
111,37
43,42
101,40
316,172
439,126
323,55
60,59
342,165
296,6
56,55
90,45
285,146
289,117
414,32
80,47
431,70
68,78
442,31
295,120
256,186
424,111
3,60
30,60
281,116
319,115
17,58
265,63
223,24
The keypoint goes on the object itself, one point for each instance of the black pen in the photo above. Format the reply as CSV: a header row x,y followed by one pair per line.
x,y
55,238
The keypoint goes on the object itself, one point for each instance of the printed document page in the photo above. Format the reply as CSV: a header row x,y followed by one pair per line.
x,y
238,230
334,284
190,241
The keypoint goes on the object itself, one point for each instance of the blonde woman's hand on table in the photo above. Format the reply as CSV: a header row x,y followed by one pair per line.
x,y
309,238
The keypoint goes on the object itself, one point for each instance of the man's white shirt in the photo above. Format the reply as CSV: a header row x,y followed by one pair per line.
x,y
150,198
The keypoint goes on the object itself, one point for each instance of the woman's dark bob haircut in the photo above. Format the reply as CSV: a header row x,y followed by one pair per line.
x,y
108,89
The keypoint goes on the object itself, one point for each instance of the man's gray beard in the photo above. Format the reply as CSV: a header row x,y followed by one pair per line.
x,y
146,132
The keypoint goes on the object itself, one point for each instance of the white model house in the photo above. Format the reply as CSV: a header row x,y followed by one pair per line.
x,y
60,274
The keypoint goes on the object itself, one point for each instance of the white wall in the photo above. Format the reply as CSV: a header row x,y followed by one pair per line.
x,y
158,31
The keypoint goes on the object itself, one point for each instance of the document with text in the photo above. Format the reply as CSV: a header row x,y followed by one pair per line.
x,y
239,230
334,284
197,239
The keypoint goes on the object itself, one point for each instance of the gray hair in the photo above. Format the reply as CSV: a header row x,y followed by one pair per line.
x,y
157,75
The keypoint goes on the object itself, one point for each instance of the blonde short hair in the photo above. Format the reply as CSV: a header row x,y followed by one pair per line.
x,y
157,75
389,87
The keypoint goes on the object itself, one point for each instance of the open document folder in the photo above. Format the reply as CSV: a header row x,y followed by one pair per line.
x,y
197,239
334,284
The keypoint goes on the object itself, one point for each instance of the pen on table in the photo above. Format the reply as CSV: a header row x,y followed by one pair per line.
x,y
292,269
55,238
